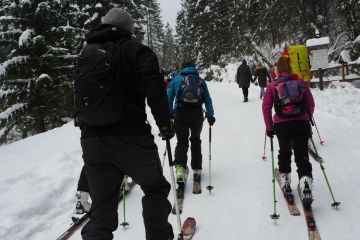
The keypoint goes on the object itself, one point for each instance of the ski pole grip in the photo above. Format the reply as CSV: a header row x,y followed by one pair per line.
x,y
272,144
168,148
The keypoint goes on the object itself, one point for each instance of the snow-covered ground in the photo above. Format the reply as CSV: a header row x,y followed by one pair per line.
x,y
38,176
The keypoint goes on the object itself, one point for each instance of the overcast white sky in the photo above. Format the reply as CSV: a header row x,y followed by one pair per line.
x,y
169,9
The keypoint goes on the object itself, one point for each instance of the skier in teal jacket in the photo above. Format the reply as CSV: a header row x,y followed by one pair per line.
x,y
188,119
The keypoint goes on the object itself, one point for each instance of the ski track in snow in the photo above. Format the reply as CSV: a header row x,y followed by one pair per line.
x,y
39,175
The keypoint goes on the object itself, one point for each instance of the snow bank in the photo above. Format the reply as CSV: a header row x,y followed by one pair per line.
x,y
340,102
219,74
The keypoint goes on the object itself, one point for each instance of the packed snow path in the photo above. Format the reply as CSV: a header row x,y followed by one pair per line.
x,y
38,177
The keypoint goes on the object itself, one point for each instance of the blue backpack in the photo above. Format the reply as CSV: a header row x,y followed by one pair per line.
x,y
191,92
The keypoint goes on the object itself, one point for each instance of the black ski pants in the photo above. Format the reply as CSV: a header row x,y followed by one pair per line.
x,y
107,159
189,121
294,135
245,91
83,185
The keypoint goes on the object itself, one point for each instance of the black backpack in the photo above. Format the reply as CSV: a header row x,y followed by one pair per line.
x,y
99,94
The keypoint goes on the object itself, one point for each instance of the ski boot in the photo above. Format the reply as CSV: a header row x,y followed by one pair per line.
x,y
180,174
305,191
285,181
82,205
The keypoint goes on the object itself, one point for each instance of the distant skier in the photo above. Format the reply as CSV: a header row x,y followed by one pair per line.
x,y
117,77
263,77
189,92
294,106
243,78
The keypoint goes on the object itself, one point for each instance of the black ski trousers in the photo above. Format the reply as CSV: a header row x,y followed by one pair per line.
x,y
245,91
294,135
83,185
107,159
188,121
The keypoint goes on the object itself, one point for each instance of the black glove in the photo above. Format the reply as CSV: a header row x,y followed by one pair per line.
x,y
168,132
211,120
270,133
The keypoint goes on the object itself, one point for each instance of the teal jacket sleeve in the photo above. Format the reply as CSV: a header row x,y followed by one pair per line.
x,y
207,100
171,96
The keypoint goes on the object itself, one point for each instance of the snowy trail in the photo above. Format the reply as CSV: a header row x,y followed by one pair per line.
x,y
38,177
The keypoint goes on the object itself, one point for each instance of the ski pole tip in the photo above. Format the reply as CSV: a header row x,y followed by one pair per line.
x,y
335,204
274,216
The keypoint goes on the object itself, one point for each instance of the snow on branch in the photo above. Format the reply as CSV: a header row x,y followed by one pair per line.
x,y
2,131
4,93
25,37
14,60
11,110
19,80
7,18
68,56
13,31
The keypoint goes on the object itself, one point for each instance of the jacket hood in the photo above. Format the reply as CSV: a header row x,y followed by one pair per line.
x,y
189,70
106,32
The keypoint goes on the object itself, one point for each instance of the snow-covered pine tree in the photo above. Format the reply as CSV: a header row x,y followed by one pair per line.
x,y
35,70
349,12
154,35
169,58
185,30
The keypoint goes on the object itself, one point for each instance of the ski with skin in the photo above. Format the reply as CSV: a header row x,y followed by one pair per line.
x,y
84,219
180,191
314,154
288,196
188,229
310,222
197,184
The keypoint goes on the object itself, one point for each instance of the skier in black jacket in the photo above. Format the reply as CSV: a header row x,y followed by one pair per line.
x,y
127,146
243,78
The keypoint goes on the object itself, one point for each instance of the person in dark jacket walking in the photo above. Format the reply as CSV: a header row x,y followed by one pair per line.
x,y
243,78
188,119
263,77
127,146
293,132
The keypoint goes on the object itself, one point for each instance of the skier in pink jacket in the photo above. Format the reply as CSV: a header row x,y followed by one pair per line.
x,y
294,106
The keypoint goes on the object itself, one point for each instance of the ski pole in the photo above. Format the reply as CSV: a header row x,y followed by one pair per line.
x,y
317,130
124,186
335,203
264,157
210,187
274,215
171,165
164,158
